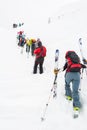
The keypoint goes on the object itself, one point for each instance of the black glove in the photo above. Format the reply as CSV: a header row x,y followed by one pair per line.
x,y
84,61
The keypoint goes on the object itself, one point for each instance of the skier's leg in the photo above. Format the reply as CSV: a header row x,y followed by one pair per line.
x,y
41,68
68,92
35,68
75,94
41,65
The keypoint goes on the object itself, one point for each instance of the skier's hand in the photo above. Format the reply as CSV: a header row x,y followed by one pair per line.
x,y
84,61
56,71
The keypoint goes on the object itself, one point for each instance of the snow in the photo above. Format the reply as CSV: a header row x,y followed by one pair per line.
x,y
23,95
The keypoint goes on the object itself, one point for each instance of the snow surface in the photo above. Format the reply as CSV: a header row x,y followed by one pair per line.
x,y
23,95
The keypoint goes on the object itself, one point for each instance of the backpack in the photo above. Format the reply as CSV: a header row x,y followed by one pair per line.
x,y
73,61
43,54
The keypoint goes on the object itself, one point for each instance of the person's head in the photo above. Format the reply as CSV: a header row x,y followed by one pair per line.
x,y
21,32
38,39
33,40
39,44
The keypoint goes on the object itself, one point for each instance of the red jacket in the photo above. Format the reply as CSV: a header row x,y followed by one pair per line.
x,y
37,52
67,68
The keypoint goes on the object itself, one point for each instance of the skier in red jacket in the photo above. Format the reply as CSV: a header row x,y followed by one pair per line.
x,y
40,53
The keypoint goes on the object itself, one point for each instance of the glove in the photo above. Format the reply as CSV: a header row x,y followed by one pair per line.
x,y
84,61
56,71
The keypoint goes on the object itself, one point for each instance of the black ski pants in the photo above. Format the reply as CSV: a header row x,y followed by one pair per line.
x,y
38,61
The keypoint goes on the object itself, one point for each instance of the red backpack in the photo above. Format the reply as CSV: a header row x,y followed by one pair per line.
x,y
43,54
73,61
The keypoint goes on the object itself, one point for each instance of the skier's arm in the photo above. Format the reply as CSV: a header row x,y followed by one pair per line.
x,y
65,66
83,66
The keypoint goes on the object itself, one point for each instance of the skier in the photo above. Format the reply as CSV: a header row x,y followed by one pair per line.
x,y
27,46
21,40
15,25
40,53
32,42
72,75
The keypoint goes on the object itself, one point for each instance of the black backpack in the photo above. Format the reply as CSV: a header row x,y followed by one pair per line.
x,y
73,61
73,56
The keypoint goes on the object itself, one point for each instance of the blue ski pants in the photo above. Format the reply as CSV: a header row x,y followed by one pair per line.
x,y
72,82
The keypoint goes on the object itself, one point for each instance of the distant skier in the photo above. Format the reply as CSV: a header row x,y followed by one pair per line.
x,y
40,53
15,25
32,44
21,39
72,75
28,46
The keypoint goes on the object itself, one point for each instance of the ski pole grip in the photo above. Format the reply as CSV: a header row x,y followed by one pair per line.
x,y
56,71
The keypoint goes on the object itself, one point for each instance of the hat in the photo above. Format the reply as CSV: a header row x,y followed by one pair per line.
x,y
39,44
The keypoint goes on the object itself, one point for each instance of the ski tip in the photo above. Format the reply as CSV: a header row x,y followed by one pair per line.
x,y
75,114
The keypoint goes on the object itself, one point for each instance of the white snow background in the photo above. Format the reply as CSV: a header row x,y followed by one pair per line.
x,y
23,95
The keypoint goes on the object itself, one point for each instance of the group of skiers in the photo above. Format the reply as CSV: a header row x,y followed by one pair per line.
x,y
72,66
37,50
15,25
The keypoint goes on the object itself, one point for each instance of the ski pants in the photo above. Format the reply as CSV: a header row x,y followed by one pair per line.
x,y
72,89
39,62
27,48
32,48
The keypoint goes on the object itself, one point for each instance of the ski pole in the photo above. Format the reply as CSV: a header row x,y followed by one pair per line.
x,y
47,104
55,79
52,92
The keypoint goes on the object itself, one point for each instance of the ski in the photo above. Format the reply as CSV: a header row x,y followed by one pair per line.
x,y
53,92
75,114
81,51
56,63
56,68
74,111
56,58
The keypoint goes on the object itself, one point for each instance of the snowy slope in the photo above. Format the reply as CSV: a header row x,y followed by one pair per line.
x,y
23,96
